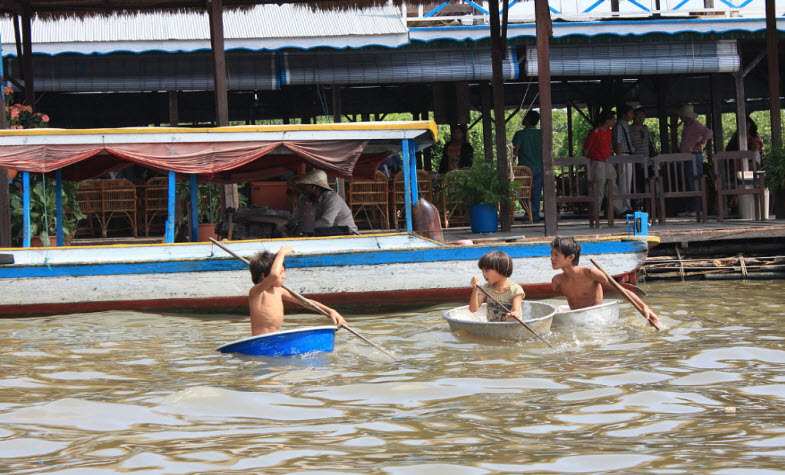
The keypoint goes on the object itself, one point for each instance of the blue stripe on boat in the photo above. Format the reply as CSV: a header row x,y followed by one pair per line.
x,y
339,259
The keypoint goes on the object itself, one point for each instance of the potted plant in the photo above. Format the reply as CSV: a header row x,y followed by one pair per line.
x,y
43,212
774,164
209,210
481,190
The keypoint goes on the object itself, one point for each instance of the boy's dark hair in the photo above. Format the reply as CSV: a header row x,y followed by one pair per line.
x,y
605,116
567,247
260,265
531,119
499,261
625,109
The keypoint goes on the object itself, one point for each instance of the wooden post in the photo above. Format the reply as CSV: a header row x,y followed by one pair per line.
x,y
570,138
27,58
543,21
498,48
462,104
774,75
716,113
340,183
487,125
5,195
741,111
660,89
174,113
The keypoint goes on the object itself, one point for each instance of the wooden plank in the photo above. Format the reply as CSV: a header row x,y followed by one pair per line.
x,y
543,21
774,74
219,62
27,58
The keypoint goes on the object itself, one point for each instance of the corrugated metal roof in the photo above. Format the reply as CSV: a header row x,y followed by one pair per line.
x,y
259,22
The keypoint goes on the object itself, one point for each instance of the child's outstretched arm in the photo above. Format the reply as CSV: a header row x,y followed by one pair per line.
x,y
336,317
476,298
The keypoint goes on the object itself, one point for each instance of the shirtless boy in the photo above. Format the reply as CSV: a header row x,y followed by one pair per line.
x,y
582,286
267,296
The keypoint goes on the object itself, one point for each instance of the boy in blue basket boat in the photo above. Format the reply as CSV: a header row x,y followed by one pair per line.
x,y
496,267
267,296
583,286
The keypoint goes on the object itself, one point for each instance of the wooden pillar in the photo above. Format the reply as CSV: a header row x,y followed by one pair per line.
x,y
462,103
174,113
716,113
660,89
219,62
570,137
340,183
674,133
498,48
774,75
487,125
27,51
741,110
543,21
5,196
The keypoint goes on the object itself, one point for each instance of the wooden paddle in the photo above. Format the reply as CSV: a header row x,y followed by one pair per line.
x,y
624,293
307,304
516,317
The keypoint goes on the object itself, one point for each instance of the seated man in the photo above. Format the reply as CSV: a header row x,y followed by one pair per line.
x,y
319,210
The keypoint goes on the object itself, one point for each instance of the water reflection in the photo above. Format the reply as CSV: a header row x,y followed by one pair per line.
x,y
125,391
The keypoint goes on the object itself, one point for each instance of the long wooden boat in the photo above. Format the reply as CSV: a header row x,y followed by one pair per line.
x,y
298,341
606,313
388,269
537,315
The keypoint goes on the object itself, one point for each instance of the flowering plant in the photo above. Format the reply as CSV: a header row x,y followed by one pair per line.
x,y
21,116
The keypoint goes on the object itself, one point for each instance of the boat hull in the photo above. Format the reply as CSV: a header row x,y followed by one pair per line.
x,y
385,270
607,313
537,315
285,343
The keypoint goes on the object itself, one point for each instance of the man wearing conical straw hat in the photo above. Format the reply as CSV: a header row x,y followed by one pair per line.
x,y
320,210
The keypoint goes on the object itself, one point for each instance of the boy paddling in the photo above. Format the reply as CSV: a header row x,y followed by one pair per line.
x,y
266,297
583,286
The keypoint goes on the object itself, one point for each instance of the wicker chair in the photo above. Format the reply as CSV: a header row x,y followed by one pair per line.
x,y
424,189
155,201
88,196
118,199
369,198
523,176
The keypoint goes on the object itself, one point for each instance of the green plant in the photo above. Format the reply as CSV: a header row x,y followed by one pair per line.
x,y
774,164
209,203
479,184
43,210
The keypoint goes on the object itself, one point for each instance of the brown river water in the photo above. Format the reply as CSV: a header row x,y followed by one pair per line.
x,y
145,393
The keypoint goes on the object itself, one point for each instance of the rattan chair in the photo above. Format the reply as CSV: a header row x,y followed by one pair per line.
x,y
522,176
424,189
369,199
118,199
155,201
88,196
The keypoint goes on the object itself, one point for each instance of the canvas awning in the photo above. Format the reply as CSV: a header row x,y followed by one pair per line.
x,y
224,153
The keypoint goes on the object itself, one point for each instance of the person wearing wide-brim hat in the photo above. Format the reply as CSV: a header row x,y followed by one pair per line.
x,y
694,138
320,210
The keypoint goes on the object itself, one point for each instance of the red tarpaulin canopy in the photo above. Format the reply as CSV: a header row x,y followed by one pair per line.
x,y
220,161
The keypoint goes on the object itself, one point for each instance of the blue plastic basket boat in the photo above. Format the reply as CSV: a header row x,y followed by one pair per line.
x,y
285,343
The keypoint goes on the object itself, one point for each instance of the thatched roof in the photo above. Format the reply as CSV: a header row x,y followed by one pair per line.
x,y
81,8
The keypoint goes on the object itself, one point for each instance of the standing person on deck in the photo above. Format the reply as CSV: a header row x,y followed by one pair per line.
x,y
622,145
641,135
583,286
458,152
320,210
267,296
598,149
694,137
527,146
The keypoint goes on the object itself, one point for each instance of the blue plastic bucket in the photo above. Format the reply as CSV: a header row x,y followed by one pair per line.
x,y
484,218
285,343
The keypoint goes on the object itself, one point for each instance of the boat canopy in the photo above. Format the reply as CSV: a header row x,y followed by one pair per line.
x,y
227,154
